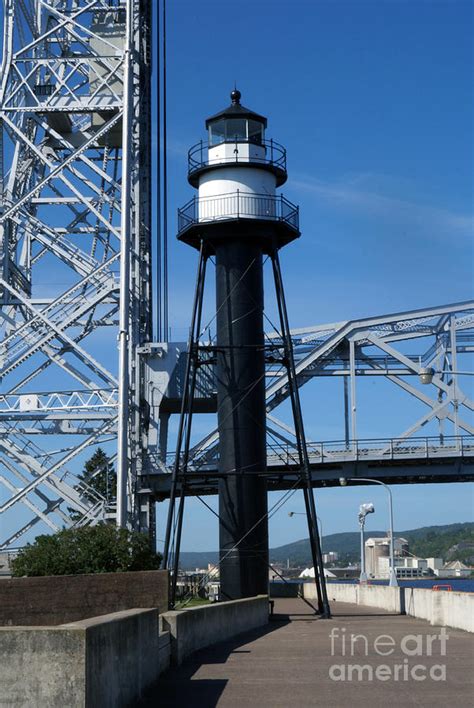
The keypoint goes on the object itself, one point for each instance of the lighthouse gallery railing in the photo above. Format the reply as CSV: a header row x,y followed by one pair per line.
x,y
274,155
238,205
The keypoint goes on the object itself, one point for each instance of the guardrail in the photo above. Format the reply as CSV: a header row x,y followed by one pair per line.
x,y
237,205
274,155
377,449
383,449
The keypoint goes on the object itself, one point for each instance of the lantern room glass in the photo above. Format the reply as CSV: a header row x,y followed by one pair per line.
x,y
235,129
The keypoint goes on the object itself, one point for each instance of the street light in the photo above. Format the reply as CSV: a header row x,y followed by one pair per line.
x,y
393,582
302,513
426,373
364,509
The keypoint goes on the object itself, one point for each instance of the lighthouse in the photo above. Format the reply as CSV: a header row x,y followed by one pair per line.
x,y
238,218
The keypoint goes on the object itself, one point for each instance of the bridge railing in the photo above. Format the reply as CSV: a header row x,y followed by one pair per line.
x,y
352,450
376,449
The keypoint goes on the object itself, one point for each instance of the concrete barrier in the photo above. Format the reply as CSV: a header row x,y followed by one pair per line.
x,y
54,600
446,609
106,661
285,589
339,592
382,596
199,627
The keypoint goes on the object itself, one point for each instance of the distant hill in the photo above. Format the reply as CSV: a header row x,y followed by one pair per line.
x,y
451,542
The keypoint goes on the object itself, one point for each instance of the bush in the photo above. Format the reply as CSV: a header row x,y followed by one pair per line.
x,y
90,549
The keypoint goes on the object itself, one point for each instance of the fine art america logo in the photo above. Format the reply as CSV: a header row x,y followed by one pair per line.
x,y
400,659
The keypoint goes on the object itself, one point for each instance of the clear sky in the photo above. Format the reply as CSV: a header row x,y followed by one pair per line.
x,y
373,101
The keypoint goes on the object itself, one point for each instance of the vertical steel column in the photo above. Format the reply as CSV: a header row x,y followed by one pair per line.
x,y
454,374
346,412
353,391
240,372
124,322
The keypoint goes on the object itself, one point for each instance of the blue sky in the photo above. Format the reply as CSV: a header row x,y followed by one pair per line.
x,y
374,103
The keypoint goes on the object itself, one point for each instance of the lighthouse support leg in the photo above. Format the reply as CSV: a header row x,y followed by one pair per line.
x,y
315,544
174,525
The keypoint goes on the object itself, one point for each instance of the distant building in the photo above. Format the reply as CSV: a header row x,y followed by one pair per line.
x,y
434,564
331,557
213,570
6,558
408,567
454,569
379,548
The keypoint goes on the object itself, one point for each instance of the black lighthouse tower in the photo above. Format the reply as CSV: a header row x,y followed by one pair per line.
x,y
238,219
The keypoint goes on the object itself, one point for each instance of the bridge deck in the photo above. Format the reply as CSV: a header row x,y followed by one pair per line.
x,y
287,664
286,475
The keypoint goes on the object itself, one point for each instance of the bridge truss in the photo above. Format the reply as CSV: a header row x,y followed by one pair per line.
x,y
436,445
75,251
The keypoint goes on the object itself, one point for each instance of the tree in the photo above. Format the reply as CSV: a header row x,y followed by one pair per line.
x,y
99,474
97,480
89,549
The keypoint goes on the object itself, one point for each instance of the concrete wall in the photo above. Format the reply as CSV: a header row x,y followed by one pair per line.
x,y
107,661
54,600
340,592
285,589
441,608
199,627
382,596
42,667
446,609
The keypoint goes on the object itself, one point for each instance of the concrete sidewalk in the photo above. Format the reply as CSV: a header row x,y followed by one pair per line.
x,y
291,661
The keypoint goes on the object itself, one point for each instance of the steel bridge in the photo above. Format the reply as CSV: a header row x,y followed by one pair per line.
x,y
392,461
76,276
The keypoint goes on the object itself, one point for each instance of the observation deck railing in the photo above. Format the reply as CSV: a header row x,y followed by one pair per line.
x,y
274,155
238,205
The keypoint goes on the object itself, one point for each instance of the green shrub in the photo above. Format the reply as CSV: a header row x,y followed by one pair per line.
x,y
90,549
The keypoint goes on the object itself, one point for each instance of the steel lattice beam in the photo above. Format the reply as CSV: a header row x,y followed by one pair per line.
x,y
74,126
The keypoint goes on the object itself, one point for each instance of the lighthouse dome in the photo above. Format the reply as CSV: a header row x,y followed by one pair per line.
x,y
236,122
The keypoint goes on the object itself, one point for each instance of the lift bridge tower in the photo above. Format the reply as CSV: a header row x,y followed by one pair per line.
x,y
75,218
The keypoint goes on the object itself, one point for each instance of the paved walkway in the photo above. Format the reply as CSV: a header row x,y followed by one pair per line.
x,y
289,662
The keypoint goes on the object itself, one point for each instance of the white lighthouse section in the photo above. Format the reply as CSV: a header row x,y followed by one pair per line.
x,y
237,191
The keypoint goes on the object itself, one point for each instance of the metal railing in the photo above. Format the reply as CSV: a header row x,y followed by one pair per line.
x,y
237,205
274,155
384,449
376,449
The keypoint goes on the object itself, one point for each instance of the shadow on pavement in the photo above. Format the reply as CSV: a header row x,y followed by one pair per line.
x,y
177,687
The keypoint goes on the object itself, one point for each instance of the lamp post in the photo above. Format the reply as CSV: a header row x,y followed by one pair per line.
x,y
393,582
303,513
364,509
